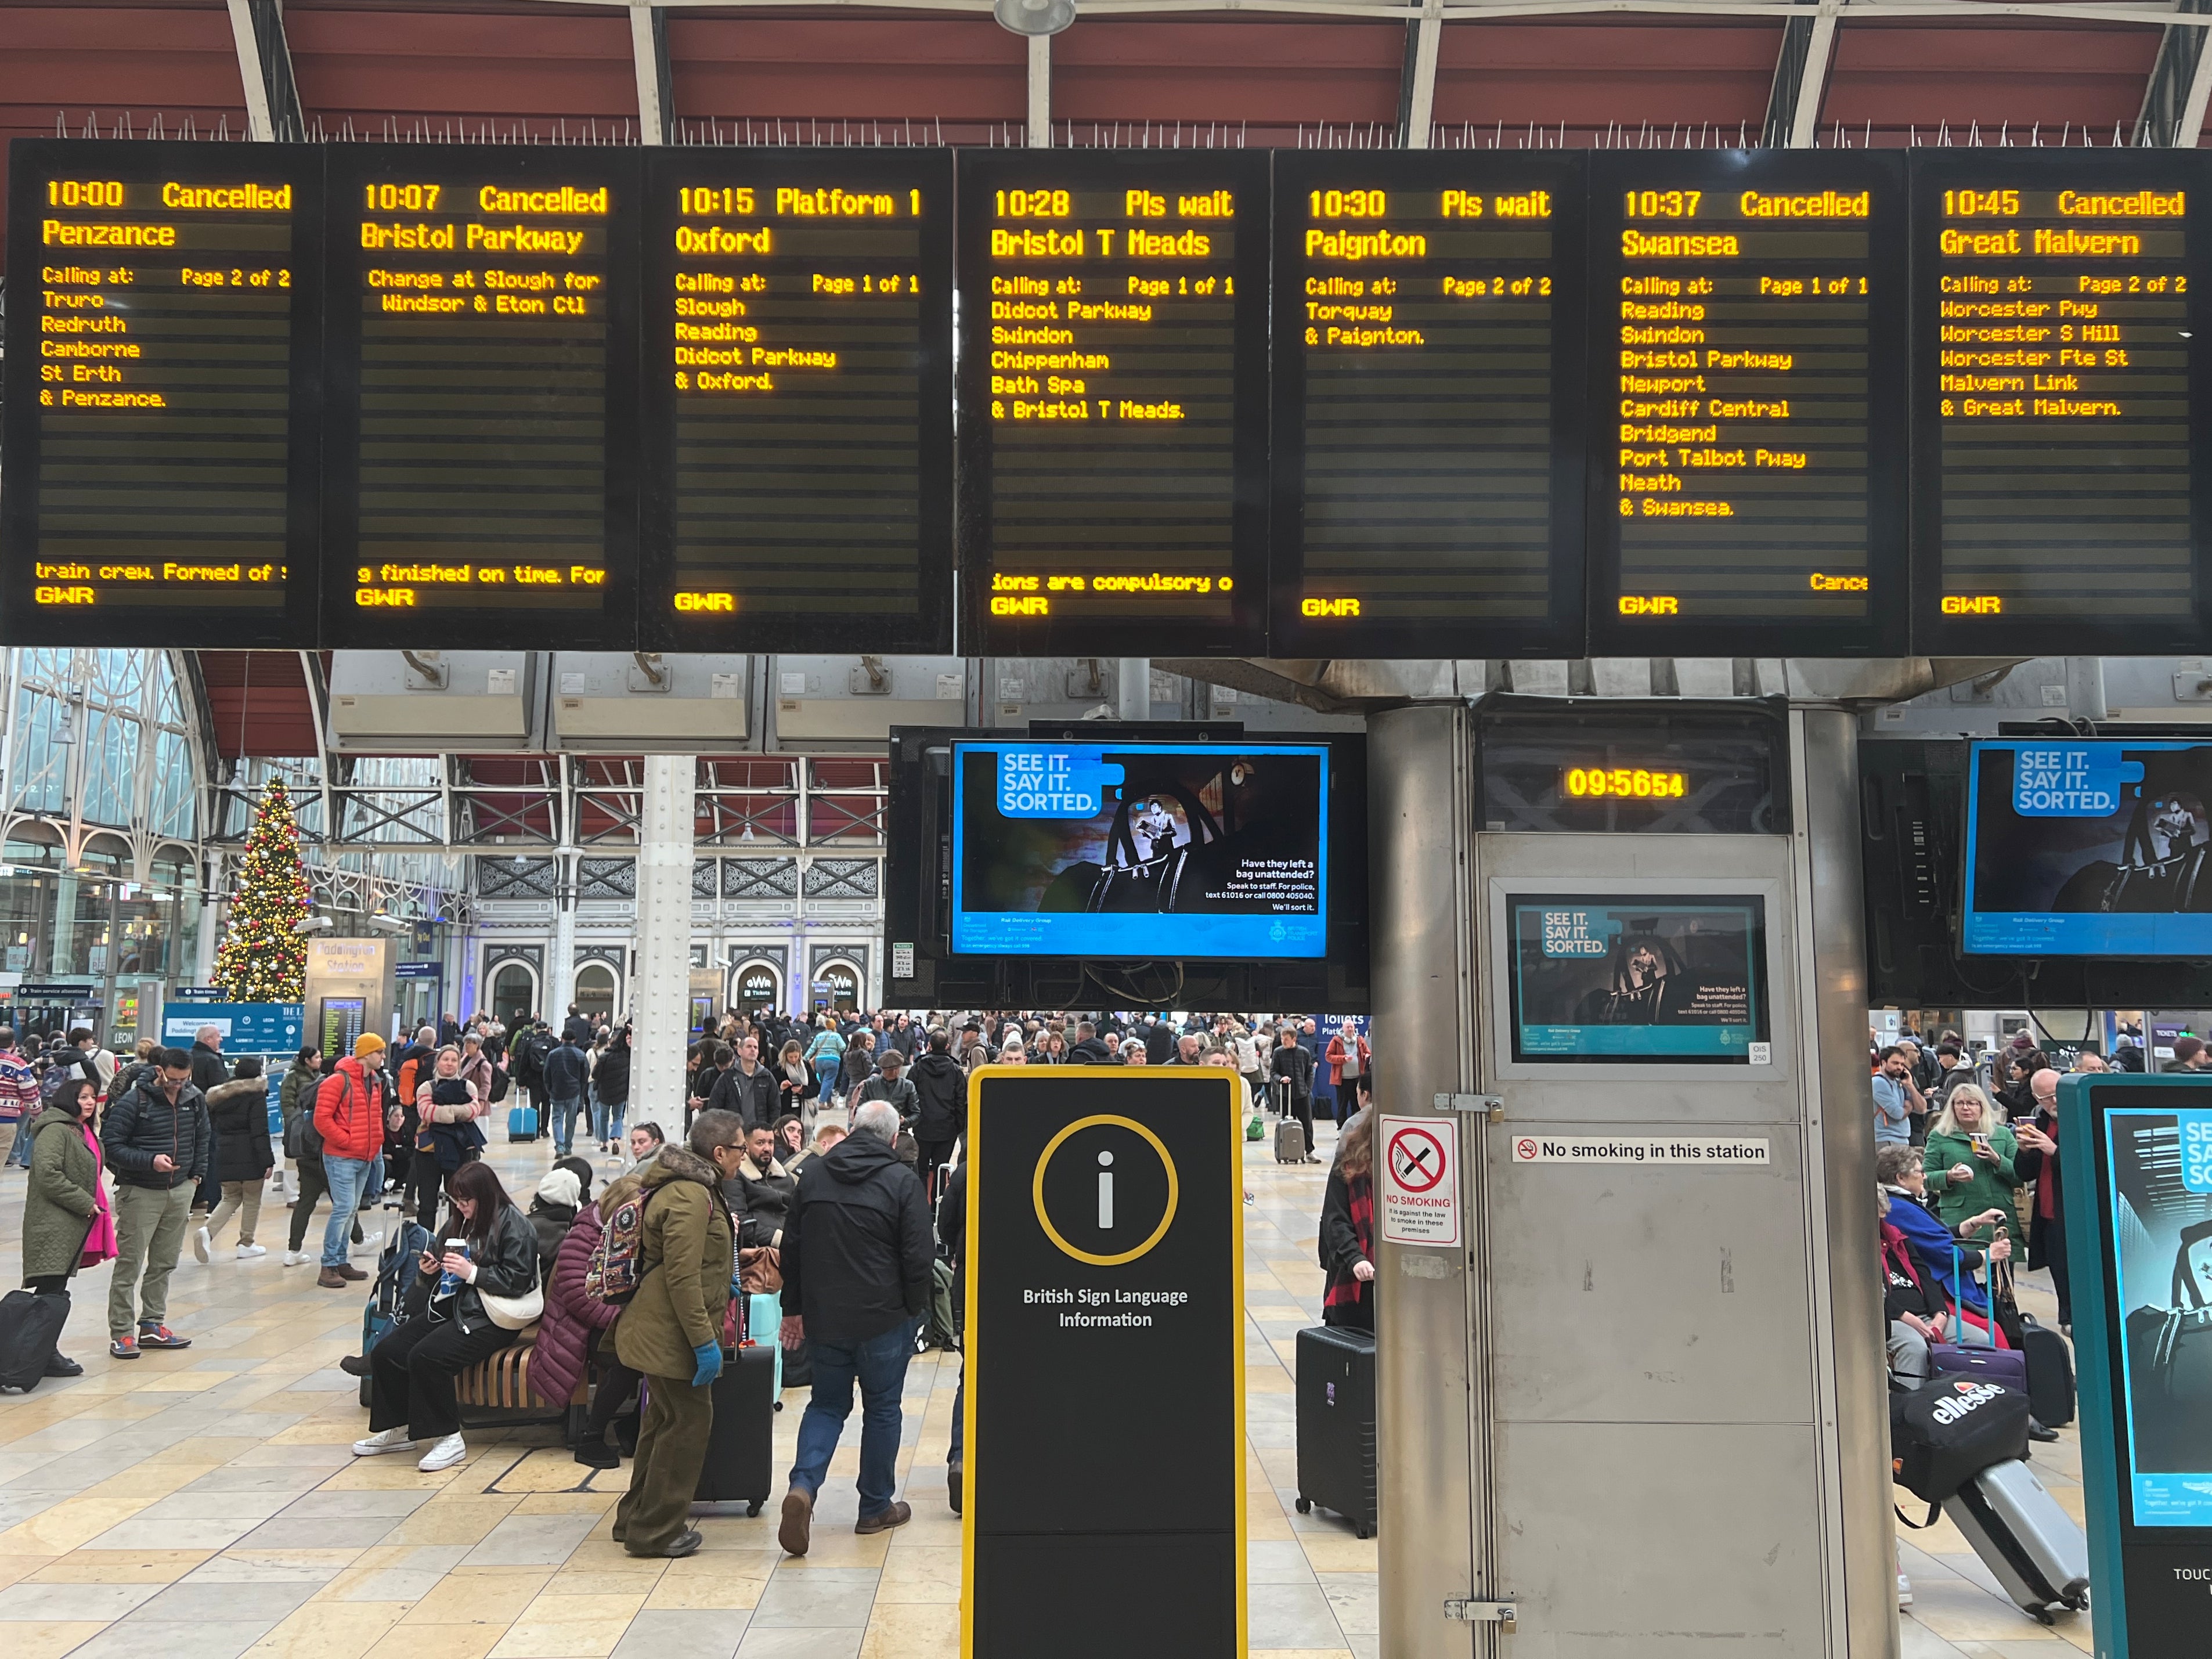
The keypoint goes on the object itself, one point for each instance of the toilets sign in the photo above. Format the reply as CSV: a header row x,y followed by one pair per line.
x,y
1419,1187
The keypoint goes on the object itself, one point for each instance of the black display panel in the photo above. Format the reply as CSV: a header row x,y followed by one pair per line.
x,y
1114,400
1428,372
1580,766
1748,338
481,457
162,395
2057,401
797,317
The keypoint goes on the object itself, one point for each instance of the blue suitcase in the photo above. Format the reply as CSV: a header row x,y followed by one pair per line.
x,y
763,1325
522,1123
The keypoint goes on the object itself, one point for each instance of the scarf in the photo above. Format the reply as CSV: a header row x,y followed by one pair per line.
x,y
1347,1291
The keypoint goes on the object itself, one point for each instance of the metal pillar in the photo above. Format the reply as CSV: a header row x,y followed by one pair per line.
x,y
1133,688
1419,835
1040,121
1417,91
560,968
1848,1326
660,990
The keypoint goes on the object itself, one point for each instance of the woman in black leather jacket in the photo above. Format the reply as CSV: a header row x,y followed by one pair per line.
x,y
486,1247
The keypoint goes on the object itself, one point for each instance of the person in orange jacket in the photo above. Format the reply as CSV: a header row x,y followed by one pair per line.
x,y
1347,1056
353,1109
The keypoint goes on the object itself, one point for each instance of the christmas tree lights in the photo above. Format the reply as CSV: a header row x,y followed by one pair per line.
x,y
262,958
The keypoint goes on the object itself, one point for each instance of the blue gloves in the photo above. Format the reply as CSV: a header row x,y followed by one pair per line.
x,y
710,1355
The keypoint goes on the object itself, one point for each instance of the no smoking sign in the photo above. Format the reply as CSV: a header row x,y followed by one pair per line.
x,y
1419,1189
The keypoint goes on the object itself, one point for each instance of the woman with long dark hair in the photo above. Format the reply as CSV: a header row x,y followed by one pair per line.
x,y
476,1287
1347,1230
66,1222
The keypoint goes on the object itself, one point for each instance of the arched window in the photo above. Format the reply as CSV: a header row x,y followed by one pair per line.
x,y
513,993
594,991
837,985
755,985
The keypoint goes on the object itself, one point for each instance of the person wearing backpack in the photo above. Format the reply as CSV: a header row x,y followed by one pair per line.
x,y
157,1141
297,1089
352,1115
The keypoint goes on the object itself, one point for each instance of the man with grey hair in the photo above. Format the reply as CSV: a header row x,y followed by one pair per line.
x,y
857,1259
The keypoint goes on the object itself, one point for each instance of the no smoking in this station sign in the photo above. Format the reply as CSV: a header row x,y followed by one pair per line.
x,y
1420,1189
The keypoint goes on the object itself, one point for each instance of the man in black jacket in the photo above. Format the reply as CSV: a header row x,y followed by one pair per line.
x,y
952,1228
156,1140
567,1071
1089,1049
747,1088
1294,1062
857,1262
940,1085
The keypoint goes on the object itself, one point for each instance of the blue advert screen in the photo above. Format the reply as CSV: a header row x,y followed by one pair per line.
x,y
2089,847
1652,979
1140,851
2161,1219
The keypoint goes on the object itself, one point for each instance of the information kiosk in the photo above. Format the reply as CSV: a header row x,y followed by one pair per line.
x,y
1105,1257
2137,1151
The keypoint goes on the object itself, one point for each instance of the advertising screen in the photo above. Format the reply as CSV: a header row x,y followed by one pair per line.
x,y
1114,398
1673,980
1748,336
1142,851
798,307
161,396
2082,848
1427,368
480,469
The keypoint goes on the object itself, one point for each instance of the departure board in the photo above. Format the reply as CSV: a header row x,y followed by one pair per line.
x,y
481,463
1428,384
160,394
1114,400
799,400
2058,403
1748,338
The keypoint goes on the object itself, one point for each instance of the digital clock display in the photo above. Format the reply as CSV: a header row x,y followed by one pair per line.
x,y
1113,397
799,400
161,417
1622,783
1428,363
1747,482
2059,488
481,458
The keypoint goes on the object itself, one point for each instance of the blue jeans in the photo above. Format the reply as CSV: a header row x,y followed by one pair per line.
x,y
19,1154
346,1177
563,1114
610,1119
878,1364
829,1085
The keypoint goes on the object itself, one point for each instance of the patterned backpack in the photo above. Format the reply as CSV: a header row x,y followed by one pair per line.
x,y
617,1264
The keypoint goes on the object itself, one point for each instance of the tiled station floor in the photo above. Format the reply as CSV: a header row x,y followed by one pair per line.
x,y
203,1504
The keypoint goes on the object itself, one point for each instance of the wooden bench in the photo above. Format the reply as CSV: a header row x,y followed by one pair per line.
x,y
496,1392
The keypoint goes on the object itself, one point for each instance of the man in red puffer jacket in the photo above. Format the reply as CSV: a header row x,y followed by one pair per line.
x,y
352,1112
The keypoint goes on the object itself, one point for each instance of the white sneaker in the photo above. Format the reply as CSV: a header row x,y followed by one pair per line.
x,y
293,1258
368,1243
1903,1591
200,1243
388,1440
247,1252
443,1455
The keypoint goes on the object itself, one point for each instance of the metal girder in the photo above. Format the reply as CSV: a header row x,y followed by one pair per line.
x,y
1801,75
656,88
265,68
1417,88
2094,11
2180,82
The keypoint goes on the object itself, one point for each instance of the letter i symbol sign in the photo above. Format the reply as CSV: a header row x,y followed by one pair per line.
x,y
1105,1192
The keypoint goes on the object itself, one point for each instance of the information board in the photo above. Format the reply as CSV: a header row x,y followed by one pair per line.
x,y
1747,319
1105,1248
161,396
798,307
1113,459
1428,374
247,1027
481,458
2058,402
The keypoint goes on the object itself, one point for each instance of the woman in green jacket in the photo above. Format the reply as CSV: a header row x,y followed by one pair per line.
x,y
1969,1159
64,1211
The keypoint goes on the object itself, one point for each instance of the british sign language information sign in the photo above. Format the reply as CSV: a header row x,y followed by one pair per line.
x,y
1420,1181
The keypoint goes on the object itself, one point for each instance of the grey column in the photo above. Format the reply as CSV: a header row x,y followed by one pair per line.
x,y
660,992
1847,1292
1419,837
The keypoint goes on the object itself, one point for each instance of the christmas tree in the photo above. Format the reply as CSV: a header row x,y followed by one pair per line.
x,y
262,958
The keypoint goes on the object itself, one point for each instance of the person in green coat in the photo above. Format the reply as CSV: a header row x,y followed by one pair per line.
x,y
670,1331
1970,1162
61,1208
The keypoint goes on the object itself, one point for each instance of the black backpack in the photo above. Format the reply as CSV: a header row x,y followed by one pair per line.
x,y
1948,1430
30,1327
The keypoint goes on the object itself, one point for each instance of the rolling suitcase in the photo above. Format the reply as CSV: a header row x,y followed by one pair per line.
x,y
30,1330
2050,1373
739,1467
522,1123
1289,1141
2024,1538
1336,1424
763,1327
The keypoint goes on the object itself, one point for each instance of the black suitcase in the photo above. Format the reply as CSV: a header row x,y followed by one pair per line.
x,y
30,1329
1336,1424
740,1461
2050,1373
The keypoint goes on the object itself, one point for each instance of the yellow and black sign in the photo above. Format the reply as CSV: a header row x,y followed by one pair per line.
x,y
1105,1399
